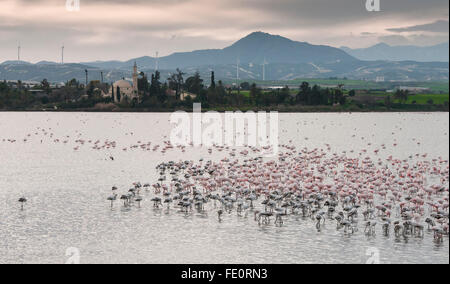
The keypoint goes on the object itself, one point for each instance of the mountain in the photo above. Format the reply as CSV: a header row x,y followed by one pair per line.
x,y
37,72
286,59
383,51
252,49
15,62
44,62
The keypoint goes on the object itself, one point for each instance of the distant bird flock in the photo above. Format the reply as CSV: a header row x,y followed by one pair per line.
x,y
356,195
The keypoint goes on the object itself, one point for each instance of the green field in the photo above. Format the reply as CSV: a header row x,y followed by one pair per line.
x,y
435,87
424,98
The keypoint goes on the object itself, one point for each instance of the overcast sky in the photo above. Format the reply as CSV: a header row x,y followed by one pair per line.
x,y
124,29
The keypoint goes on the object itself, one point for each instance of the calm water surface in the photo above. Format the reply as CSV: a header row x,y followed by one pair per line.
x,y
67,191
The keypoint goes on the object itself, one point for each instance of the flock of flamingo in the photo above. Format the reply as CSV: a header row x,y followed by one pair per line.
x,y
405,197
47,135
353,191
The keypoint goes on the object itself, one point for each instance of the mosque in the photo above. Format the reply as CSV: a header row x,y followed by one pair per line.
x,y
122,90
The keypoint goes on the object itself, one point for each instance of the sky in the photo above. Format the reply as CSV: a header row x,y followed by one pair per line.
x,y
125,29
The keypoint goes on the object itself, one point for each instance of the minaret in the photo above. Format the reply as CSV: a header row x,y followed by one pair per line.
x,y
135,79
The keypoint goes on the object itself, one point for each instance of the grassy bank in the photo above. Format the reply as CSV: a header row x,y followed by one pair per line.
x,y
350,107
435,87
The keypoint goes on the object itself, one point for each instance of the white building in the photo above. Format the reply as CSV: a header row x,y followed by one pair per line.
x,y
379,79
122,89
415,90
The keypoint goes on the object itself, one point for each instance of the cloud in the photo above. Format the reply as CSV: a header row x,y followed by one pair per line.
x,y
368,34
121,29
413,39
394,40
437,27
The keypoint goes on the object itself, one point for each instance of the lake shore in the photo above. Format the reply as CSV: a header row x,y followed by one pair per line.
x,y
281,109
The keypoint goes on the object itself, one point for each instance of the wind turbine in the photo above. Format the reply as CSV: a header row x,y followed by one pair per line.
x,y
237,75
237,68
62,54
18,53
264,69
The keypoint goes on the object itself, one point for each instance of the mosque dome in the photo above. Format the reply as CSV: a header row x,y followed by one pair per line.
x,y
122,84
123,89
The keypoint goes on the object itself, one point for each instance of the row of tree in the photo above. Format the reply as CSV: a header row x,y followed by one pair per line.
x,y
155,93
12,98
217,94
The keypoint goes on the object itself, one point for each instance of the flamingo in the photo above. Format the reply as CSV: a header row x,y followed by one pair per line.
x,y
22,202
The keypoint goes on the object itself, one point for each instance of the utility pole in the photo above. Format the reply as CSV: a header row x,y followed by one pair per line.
x,y
101,74
86,71
62,54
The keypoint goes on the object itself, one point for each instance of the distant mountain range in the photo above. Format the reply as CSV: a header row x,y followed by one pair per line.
x,y
383,51
252,49
286,59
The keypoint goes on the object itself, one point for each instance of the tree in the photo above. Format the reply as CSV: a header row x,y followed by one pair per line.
x,y
45,100
143,85
255,94
245,86
112,92
342,100
118,94
304,87
73,83
194,84
339,97
282,95
93,88
221,92
155,84
303,94
352,93
162,96
45,86
388,101
213,81
402,95
176,82
4,88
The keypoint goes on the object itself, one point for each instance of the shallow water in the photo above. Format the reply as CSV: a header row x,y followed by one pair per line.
x,y
67,190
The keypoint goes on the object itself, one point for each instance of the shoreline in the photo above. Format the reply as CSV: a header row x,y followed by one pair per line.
x,y
205,111
313,110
